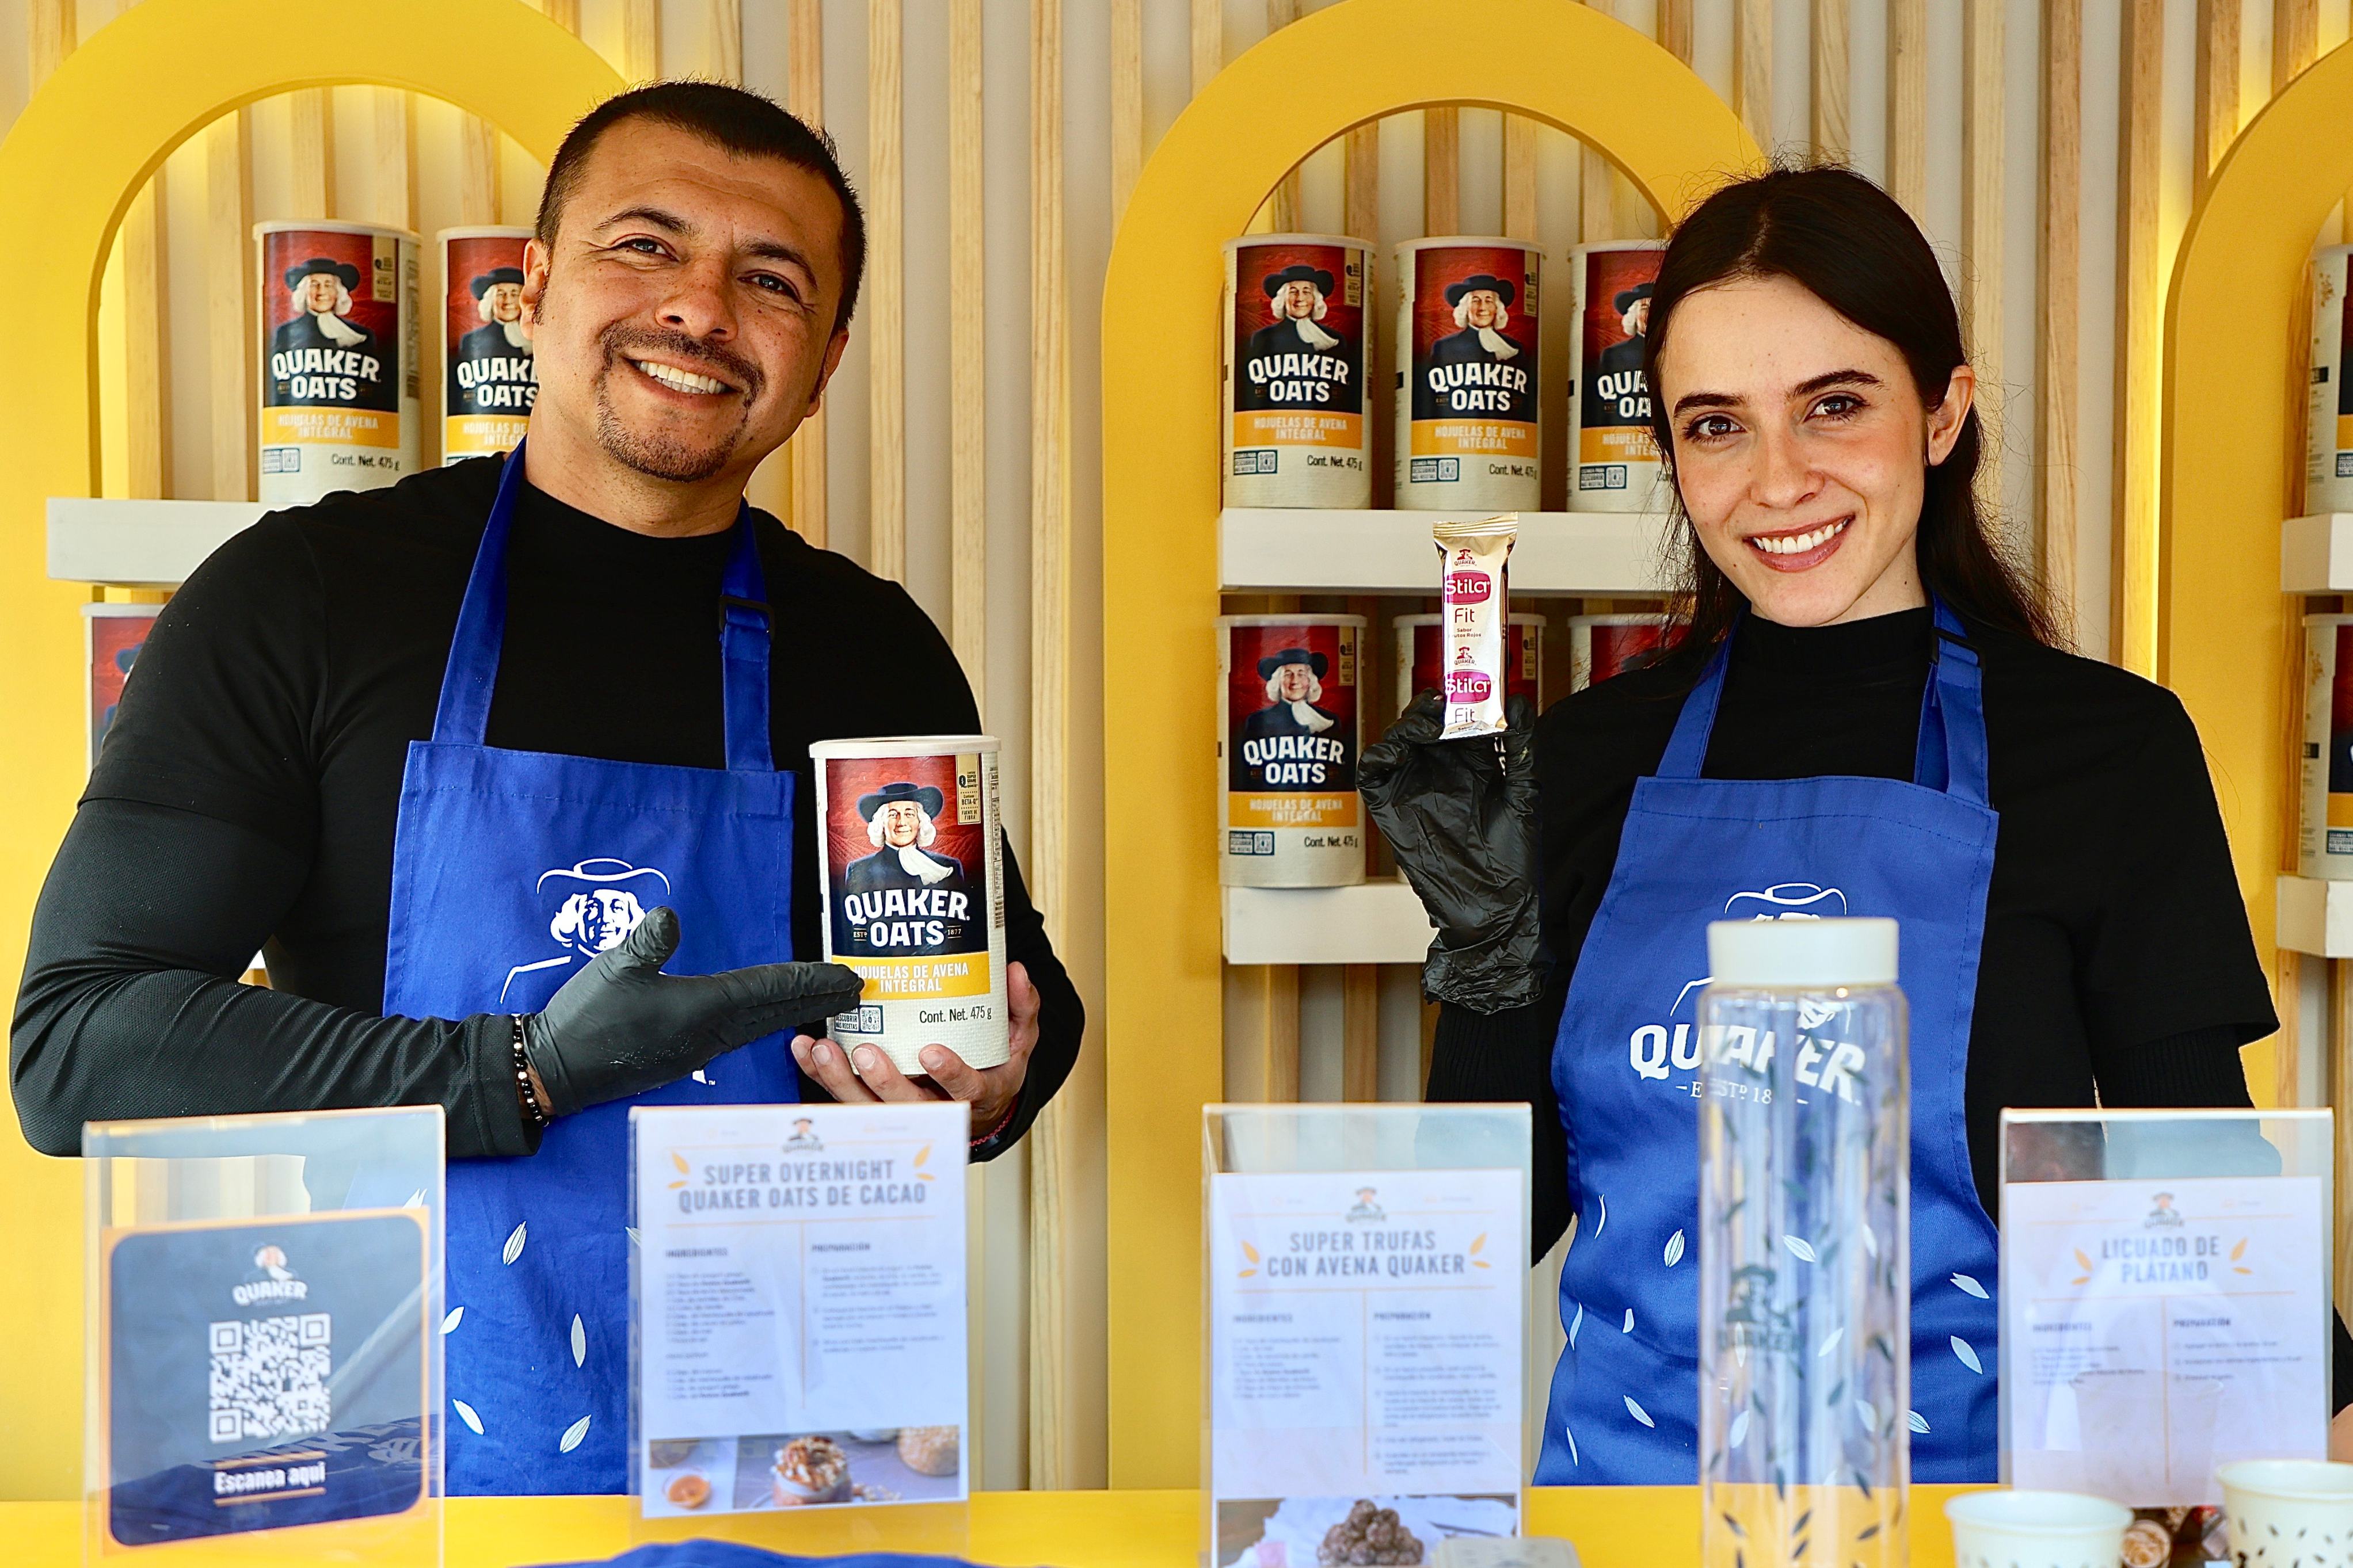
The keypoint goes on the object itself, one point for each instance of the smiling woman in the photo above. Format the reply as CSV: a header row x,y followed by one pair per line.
x,y
1865,716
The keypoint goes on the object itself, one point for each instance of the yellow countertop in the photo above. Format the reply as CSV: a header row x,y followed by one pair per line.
x,y
1613,1527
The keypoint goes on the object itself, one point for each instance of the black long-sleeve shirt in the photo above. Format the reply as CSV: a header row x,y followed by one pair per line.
x,y
245,798
2117,966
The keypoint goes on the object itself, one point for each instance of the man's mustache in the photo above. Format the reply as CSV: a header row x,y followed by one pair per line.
x,y
622,341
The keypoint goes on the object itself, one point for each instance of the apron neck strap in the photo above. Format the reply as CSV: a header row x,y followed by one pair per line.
x,y
471,674
1951,755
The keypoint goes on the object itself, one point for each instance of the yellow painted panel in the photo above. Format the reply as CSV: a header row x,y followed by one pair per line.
x,y
1571,66
2231,428
104,122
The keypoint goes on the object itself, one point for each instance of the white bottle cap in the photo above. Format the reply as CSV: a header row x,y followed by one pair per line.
x,y
1802,951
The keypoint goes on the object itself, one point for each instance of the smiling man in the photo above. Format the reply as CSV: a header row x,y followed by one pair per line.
x,y
370,737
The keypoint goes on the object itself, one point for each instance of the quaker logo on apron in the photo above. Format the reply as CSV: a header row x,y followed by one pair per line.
x,y
1653,1049
602,900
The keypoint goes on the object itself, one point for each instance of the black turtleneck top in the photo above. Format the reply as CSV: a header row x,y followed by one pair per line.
x,y
2118,968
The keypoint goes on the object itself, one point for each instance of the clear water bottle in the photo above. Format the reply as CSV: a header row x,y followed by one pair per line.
x,y
1805,1284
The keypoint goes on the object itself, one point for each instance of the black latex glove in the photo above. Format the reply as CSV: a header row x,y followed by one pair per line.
x,y
621,1026
1462,816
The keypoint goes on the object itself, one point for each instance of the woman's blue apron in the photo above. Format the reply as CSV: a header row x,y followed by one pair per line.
x,y
511,871
1694,850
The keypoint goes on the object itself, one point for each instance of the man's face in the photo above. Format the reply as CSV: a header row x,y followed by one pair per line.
x,y
1638,316
1298,299
318,293
505,301
901,823
1479,307
608,917
684,315
1293,682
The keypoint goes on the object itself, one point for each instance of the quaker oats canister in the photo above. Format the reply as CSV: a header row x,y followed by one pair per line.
x,y
488,383
911,852
1602,646
2325,818
1616,461
1295,427
1421,649
2329,445
339,359
1287,726
1467,434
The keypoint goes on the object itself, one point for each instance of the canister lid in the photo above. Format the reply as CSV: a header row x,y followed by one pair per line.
x,y
1798,950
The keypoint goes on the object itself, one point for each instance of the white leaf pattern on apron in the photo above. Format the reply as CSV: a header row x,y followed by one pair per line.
x,y
450,1321
416,1200
1799,1248
1870,1414
572,1435
1829,1342
633,1234
1968,1352
1919,1423
1674,1250
1597,1224
1971,1286
579,1343
1629,1321
1870,1241
1572,1447
1576,1323
513,1248
466,1413
1637,1412
1739,1433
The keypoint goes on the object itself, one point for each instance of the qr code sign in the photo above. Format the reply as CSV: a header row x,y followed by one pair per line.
x,y
270,1377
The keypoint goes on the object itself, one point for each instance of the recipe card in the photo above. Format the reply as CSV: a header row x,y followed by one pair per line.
x,y
2155,1328
1366,1352
800,1290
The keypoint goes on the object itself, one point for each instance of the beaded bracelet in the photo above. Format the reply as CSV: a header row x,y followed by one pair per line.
x,y
530,1105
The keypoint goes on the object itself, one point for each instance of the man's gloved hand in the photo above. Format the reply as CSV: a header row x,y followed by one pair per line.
x,y
621,1026
1462,816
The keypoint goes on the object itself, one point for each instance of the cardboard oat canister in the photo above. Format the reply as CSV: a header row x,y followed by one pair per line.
x,y
2329,432
1615,460
1602,646
1467,432
112,636
1422,647
910,848
339,359
2324,824
488,382
1287,727
1296,433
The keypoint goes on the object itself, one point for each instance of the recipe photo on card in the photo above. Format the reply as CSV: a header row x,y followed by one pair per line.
x,y
2157,1328
1367,1342
800,1299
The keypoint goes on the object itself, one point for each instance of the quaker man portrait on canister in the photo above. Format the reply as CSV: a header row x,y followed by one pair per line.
x,y
504,333
901,824
1294,686
1482,310
1297,298
322,287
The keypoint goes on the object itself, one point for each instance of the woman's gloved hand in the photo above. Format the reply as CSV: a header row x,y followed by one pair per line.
x,y
1462,816
621,1026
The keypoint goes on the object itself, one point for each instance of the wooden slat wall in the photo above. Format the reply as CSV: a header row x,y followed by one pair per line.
x,y
1832,24
883,316
312,147
1907,102
1752,67
1983,154
968,432
805,97
2139,283
723,24
230,343
2058,274
641,40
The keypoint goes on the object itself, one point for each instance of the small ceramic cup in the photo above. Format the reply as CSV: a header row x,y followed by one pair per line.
x,y
2288,1511
2036,1530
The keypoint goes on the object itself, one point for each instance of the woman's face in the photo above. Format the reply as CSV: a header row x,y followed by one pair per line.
x,y
1801,449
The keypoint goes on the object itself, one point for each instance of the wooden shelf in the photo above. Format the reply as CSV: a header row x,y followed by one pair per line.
x,y
2317,554
1300,551
1379,922
139,544
2316,917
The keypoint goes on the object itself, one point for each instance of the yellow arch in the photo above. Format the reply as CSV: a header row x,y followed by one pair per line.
x,y
87,143
1568,64
2233,431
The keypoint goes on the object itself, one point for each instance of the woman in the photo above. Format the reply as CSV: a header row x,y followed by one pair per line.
x,y
2041,825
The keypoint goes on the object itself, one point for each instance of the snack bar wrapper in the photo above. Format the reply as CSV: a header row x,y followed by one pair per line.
x,y
1473,556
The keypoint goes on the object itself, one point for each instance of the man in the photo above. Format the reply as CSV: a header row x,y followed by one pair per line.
x,y
498,296
1296,296
899,825
367,732
1482,311
1295,685
323,301
1625,356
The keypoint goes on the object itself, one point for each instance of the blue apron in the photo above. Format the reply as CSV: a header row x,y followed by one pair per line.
x,y
1695,850
510,870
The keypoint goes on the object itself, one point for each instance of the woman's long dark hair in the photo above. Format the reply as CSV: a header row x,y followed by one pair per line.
x,y
1846,242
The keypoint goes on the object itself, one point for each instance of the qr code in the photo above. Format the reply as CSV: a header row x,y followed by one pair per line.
x,y
270,1377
